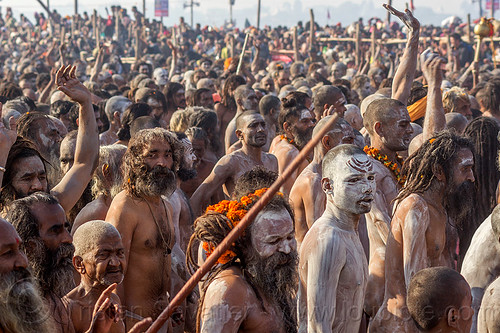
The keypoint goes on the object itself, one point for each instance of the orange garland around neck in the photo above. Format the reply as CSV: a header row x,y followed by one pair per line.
x,y
392,166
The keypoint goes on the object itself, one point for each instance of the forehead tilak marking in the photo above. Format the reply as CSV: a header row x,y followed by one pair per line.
x,y
358,165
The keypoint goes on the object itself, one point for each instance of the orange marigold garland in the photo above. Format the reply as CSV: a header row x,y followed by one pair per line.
x,y
234,211
393,166
284,137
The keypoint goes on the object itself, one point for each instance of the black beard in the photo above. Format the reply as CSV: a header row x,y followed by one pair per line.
x,y
459,203
53,269
157,181
185,174
301,138
277,277
22,309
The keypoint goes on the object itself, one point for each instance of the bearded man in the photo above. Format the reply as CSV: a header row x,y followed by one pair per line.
x,y
100,261
253,286
438,190
22,309
41,222
333,268
251,130
296,125
143,216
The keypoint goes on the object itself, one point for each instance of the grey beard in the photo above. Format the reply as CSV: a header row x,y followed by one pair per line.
x,y
277,276
156,182
22,309
52,269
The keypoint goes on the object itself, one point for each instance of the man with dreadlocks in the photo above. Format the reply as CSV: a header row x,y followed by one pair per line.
x,y
438,189
252,286
143,216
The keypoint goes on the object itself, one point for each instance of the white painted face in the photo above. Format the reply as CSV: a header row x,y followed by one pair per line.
x,y
273,232
353,184
189,156
160,76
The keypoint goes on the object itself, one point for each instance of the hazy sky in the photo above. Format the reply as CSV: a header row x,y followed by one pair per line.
x,y
274,12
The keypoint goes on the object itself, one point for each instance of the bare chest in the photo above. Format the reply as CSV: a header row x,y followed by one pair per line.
x,y
435,235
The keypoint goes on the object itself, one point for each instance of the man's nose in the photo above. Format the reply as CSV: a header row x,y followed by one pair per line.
x,y
470,176
21,260
36,185
66,237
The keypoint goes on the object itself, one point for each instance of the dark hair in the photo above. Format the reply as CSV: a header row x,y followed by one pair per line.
x,y
132,112
205,119
257,178
60,108
325,95
489,97
483,132
20,216
26,124
169,91
230,85
429,298
267,103
10,90
197,96
143,123
288,112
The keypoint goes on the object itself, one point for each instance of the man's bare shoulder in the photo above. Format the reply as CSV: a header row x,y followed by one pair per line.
x,y
322,233
231,286
94,210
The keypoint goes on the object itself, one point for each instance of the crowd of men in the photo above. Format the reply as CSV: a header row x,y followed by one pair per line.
x,y
129,151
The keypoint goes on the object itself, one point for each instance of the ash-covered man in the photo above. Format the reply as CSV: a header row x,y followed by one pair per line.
x,y
251,130
144,220
308,200
100,260
481,264
333,268
439,190
253,287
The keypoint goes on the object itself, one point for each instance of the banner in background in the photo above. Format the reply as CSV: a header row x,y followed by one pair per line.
x,y
497,4
161,8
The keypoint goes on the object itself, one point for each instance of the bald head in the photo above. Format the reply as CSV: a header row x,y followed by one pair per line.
x,y
339,155
89,235
353,116
325,95
381,110
457,121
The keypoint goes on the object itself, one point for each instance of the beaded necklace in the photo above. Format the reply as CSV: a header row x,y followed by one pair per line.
x,y
393,166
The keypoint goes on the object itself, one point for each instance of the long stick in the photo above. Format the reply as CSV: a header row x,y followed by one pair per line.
x,y
240,227
242,55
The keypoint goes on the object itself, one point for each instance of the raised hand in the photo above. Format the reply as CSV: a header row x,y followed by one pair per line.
x,y
406,17
8,135
432,65
68,83
106,312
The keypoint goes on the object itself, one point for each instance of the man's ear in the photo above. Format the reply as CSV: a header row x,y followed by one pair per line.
x,y
327,185
325,107
452,317
438,172
116,117
377,127
286,126
326,141
78,264
106,172
239,134
78,122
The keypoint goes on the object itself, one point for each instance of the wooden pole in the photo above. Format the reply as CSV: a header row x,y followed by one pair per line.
x,y
258,14
295,45
242,55
469,35
492,9
76,7
358,42
389,14
240,227
311,30
372,44
144,8
230,12
117,25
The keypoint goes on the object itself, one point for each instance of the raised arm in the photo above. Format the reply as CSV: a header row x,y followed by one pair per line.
x,y
434,120
220,173
71,187
8,136
405,73
324,265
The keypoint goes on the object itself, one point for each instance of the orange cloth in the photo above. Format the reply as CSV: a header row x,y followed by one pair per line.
x,y
227,62
417,109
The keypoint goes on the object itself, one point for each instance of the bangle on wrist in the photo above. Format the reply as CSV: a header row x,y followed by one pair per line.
x,y
2,169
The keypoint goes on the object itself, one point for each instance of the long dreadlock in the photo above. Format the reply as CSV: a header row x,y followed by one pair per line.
x,y
483,133
419,170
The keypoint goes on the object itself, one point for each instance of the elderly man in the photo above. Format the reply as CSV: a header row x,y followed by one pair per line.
x,y
251,130
22,309
100,260
25,172
253,289
333,268
41,222
107,183
144,219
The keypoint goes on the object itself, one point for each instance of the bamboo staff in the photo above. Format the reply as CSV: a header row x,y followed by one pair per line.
x,y
240,227
242,55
